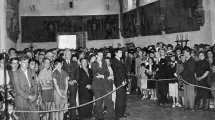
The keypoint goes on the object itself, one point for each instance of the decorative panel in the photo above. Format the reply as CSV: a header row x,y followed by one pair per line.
x,y
45,28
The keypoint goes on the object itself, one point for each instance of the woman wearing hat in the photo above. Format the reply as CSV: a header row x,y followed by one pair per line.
x,y
173,84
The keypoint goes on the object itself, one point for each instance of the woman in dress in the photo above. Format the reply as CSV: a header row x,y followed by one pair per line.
x,y
179,69
142,81
138,61
151,70
47,85
60,79
202,71
211,79
210,57
14,64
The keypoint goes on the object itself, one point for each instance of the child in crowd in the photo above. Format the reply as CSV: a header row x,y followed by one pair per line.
x,y
179,69
151,85
143,80
60,79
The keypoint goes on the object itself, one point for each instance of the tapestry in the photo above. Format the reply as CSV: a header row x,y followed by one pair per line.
x,y
149,21
150,24
180,16
46,28
129,22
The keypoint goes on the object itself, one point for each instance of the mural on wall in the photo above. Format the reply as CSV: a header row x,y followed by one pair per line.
x,y
180,16
149,17
129,24
45,28
149,23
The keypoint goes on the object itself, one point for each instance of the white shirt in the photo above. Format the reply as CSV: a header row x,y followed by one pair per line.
x,y
188,58
26,75
150,68
118,58
68,61
89,65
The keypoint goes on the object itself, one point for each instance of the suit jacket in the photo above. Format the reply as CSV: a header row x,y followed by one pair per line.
x,y
72,69
83,81
118,71
128,63
23,90
189,71
100,83
133,66
162,69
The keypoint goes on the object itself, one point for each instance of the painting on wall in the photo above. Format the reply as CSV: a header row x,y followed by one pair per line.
x,y
45,28
180,16
129,21
149,23
149,19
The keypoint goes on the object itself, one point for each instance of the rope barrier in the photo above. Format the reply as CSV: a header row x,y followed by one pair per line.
x,y
19,111
197,85
177,79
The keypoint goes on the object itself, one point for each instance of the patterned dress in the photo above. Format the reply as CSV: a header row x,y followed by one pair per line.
x,y
142,80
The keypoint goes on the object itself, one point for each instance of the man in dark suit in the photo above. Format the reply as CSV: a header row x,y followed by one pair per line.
x,y
101,87
85,90
26,89
72,68
188,74
119,79
128,62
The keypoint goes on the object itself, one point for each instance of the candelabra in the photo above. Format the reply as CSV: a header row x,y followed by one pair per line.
x,y
180,40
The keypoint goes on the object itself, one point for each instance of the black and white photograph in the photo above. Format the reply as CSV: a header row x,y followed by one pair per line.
x,y
107,59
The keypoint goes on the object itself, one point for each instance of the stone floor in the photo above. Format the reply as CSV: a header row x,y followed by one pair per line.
x,y
149,110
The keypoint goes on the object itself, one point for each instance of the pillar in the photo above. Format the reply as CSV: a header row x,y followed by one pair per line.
x,y
3,31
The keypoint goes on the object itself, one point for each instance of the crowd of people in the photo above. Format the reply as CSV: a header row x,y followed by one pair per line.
x,y
62,78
